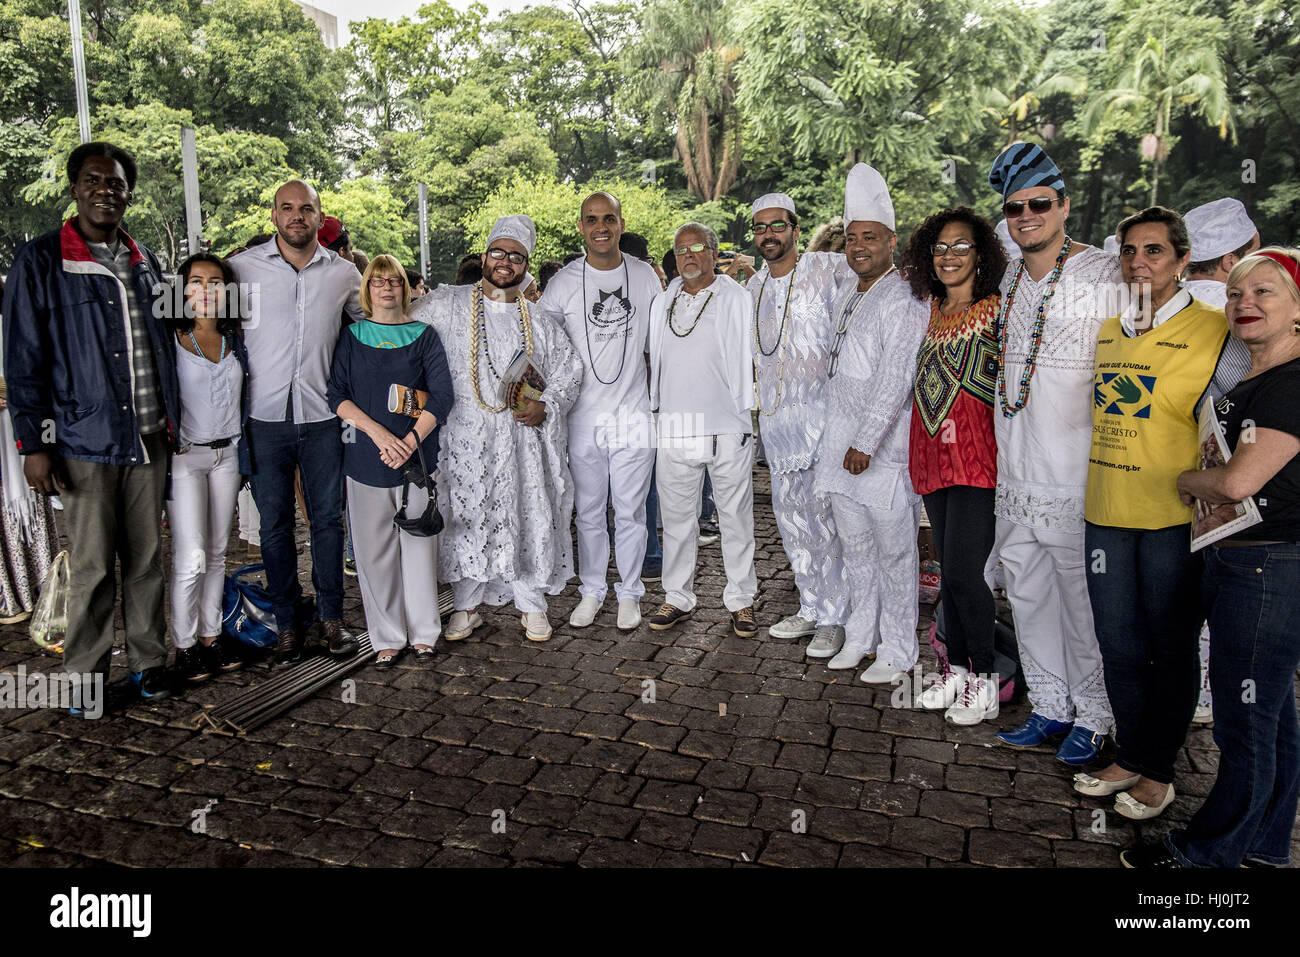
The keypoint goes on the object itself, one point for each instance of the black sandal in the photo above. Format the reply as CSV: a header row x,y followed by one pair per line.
x,y
423,654
386,661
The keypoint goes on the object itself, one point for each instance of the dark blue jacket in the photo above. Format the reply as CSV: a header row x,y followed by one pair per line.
x,y
67,350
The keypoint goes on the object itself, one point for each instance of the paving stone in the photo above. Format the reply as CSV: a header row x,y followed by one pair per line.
x,y
502,738
545,808
1051,788
551,747
605,820
887,797
918,773
864,767
822,790
990,782
723,774
773,782
785,849
964,810
755,751
451,759
937,752
668,797
867,855
1003,849
501,769
931,838
609,755
648,734
1032,817
855,716
603,852
564,779
612,788
723,840
802,757
665,830
669,767
727,807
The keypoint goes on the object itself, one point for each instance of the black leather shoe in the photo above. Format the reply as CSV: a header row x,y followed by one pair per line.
x,y
340,642
222,655
152,683
288,647
192,664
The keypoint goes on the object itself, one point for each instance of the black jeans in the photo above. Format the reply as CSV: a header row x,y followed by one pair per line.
x,y
1145,591
964,529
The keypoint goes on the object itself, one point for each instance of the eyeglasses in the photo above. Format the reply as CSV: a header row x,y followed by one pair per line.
x,y
1037,205
692,248
497,253
379,282
777,228
961,249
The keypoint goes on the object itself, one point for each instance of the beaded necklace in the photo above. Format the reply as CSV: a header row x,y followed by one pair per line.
x,y
1035,336
672,308
478,331
781,339
848,312
199,349
627,323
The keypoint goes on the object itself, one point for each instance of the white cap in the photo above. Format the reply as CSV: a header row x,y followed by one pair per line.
x,y
1008,244
866,197
1218,228
519,228
1111,245
772,201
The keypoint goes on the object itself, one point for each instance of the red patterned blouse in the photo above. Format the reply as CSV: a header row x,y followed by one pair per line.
x,y
951,441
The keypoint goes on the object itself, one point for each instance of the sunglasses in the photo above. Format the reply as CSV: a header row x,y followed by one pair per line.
x,y
692,248
961,249
777,227
497,253
1038,205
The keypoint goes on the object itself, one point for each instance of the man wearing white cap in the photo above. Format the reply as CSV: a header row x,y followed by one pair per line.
x,y
503,480
792,332
603,300
1222,233
861,466
1053,305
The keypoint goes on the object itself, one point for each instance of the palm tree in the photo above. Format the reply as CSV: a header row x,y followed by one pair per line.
x,y
1012,111
1159,83
684,64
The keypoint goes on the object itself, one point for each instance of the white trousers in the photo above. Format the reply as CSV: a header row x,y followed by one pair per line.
x,y
397,571
205,483
470,593
809,537
605,468
250,523
1047,585
679,477
883,569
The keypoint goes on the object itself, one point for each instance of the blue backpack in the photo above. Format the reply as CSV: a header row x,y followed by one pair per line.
x,y
246,609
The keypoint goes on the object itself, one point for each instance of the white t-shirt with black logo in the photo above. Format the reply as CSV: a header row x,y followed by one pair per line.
x,y
607,316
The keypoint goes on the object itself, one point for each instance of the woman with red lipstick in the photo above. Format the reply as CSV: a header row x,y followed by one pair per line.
x,y
1153,364
1250,588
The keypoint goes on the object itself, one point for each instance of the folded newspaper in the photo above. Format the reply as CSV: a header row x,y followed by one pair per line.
x,y
522,380
1210,523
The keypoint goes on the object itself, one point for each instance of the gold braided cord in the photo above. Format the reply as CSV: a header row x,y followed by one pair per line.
x,y
478,319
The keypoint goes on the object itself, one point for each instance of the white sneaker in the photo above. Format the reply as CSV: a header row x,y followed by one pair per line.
x,y
827,640
850,656
462,624
882,672
629,614
978,701
586,612
792,627
942,693
1204,714
536,627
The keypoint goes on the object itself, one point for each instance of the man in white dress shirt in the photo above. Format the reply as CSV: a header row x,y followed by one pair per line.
x,y
702,386
603,301
792,332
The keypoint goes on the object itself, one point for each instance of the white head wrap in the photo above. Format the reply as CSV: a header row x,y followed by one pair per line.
x,y
1008,244
519,228
866,197
1111,245
772,201
1218,228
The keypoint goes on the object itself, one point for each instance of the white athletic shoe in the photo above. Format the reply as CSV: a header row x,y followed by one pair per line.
x,y
978,701
827,640
942,693
536,627
882,672
792,627
462,624
629,614
850,656
585,613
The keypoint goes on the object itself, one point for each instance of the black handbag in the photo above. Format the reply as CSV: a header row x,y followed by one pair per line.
x,y
428,523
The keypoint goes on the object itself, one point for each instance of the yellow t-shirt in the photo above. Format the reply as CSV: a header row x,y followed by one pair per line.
x,y
1145,392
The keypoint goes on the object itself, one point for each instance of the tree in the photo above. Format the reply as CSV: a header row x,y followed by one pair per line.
x,y
683,68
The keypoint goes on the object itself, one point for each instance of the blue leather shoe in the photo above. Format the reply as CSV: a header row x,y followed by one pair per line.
x,y
1033,732
1081,746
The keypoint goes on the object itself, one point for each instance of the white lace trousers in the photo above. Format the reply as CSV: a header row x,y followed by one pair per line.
x,y
883,570
812,545
605,470
1048,587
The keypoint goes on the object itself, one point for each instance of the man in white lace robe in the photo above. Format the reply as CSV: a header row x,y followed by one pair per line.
x,y
503,480
792,332
1042,419
862,462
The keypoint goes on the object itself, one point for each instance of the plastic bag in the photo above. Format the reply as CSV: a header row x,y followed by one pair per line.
x,y
50,619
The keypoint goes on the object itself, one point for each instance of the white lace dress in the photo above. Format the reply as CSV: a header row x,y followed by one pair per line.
x,y
504,488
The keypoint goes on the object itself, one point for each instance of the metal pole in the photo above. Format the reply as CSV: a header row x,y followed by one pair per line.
x,y
424,231
190,167
79,70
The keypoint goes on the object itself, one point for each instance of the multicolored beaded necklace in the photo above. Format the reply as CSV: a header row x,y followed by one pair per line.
x,y
1035,336
478,332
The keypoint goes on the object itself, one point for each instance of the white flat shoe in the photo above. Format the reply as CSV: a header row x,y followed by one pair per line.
x,y
585,613
1096,787
1135,810
850,657
827,640
792,627
536,626
882,672
462,625
629,614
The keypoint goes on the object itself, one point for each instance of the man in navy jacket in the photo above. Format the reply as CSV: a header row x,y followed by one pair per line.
x,y
91,373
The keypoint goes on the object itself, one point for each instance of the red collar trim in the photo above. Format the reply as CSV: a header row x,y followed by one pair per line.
x,y
73,247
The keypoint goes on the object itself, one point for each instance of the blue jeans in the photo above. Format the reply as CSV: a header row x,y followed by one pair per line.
x,y
1254,603
654,552
1145,590
316,448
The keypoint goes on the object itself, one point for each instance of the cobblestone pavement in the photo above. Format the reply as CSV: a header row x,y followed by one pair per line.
x,y
747,753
